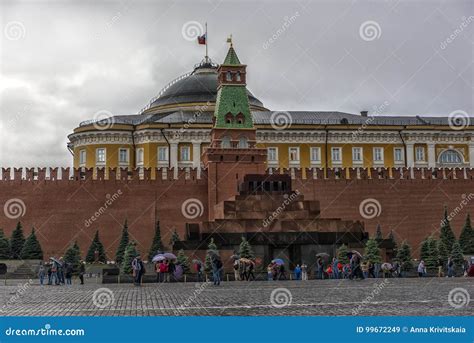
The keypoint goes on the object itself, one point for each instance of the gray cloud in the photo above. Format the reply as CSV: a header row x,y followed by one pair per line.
x,y
74,59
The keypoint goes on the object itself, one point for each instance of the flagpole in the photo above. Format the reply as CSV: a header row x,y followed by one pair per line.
x,y
207,57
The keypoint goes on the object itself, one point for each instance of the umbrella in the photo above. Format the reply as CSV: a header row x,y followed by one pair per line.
x,y
386,266
235,257
356,252
55,260
278,261
158,257
178,272
169,255
245,260
197,261
322,254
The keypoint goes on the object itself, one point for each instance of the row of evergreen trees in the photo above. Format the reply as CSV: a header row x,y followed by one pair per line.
x,y
18,247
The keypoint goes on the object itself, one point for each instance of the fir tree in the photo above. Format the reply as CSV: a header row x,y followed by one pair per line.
x,y
457,256
372,251
446,233
443,253
130,253
245,249
73,256
174,238
466,239
404,257
157,244
96,245
5,252
211,249
183,261
123,244
391,237
378,233
431,261
424,250
17,241
342,254
32,248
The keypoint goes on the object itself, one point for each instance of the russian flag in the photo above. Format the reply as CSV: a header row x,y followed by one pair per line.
x,y
202,39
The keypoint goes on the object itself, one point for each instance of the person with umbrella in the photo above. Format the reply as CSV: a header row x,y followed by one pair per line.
x,y
198,267
304,272
319,264
136,267
335,269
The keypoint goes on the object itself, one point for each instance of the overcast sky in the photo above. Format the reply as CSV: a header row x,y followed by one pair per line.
x,y
63,61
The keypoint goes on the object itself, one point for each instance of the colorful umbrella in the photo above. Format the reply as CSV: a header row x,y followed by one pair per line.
x,y
158,257
55,260
278,261
169,256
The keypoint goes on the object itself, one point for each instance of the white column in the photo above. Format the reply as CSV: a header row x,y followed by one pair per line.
x,y
471,154
431,155
196,154
410,155
174,155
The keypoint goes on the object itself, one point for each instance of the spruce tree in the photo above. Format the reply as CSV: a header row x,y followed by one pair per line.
x,y
446,233
342,254
372,251
130,253
404,257
211,249
443,253
391,237
32,248
183,261
378,233
5,252
466,239
96,245
17,241
174,238
424,250
245,249
431,261
457,255
157,244
73,256
123,244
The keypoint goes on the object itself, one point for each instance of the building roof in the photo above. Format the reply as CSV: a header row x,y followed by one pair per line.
x,y
231,58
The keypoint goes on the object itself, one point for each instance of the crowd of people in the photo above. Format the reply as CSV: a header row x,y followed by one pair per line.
x,y
59,272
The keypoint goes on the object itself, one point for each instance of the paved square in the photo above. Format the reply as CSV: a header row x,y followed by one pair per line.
x,y
428,296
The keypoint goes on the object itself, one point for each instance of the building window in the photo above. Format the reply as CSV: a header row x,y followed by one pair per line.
x,y
419,154
82,157
228,76
315,154
272,154
238,78
398,154
356,154
243,142
140,156
184,154
123,156
450,157
378,155
294,154
162,154
336,155
100,156
225,142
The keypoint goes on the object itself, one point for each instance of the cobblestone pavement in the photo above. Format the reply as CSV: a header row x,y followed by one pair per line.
x,y
428,296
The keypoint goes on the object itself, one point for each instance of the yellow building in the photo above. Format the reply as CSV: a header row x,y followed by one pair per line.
x,y
174,129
